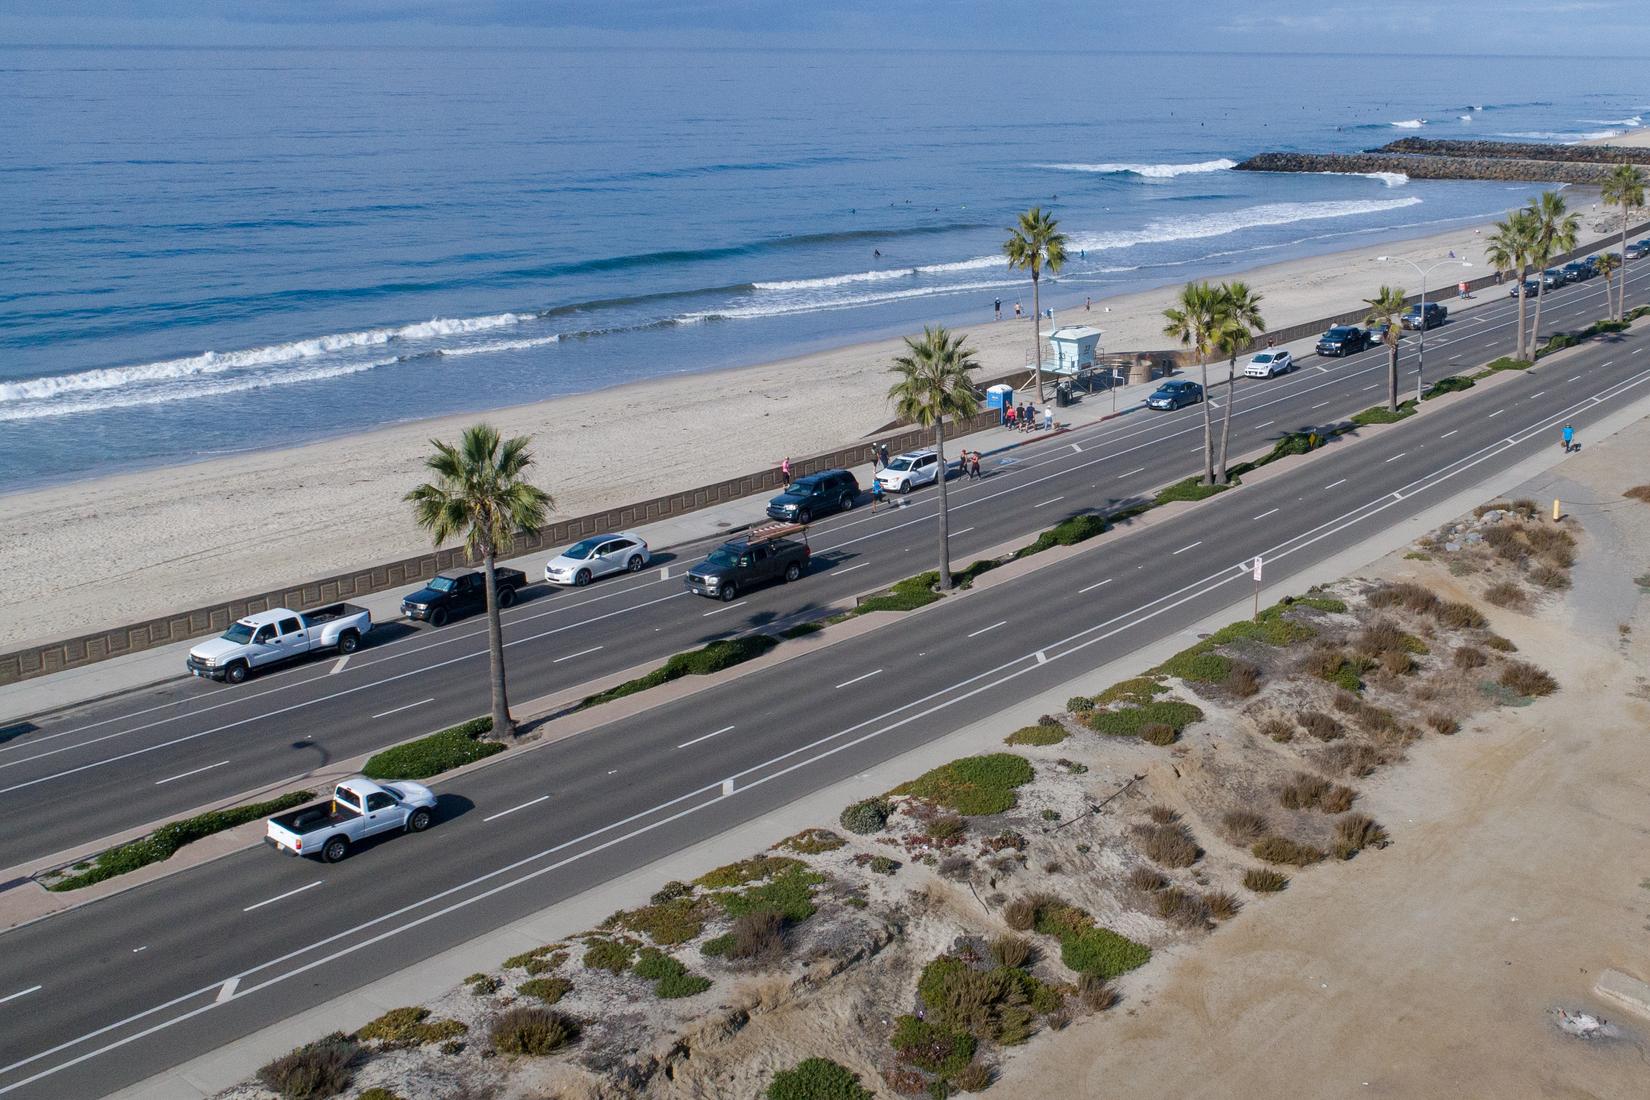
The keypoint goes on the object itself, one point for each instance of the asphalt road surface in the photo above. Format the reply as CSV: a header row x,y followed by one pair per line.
x,y
89,771
109,993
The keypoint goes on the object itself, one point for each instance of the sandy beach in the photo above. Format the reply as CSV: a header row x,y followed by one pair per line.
x,y
118,549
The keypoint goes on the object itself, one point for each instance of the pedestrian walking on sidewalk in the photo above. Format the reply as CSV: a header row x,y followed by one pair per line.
x,y
1031,416
1048,419
785,471
1010,415
876,496
882,454
1569,438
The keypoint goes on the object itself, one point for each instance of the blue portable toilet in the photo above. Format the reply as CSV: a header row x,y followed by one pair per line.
x,y
999,397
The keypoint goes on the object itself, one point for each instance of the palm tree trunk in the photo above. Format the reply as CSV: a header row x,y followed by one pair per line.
x,y
1392,377
503,725
945,515
1535,325
1208,428
1519,348
1037,334
1226,420
1621,310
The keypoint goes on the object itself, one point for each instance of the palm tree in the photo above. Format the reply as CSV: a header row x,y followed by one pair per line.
x,y
1556,230
1243,320
1607,264
1624,187
933,385
1508,248
1032,244
481,495
1387,307
1197,320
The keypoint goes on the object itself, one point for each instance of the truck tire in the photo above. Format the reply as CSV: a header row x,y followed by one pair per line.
x,y
805,516
335,850
728,593
506,597
438,617
237,672
792,571
847,502
419,821
634,565
581,578
348,642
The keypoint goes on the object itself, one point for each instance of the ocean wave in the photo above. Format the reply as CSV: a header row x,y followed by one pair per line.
x,y
499,345
882,275
1568,137
213,363
785,307
1233,221
1633,121
1391,179
1466,118
1147,171
188,390
1411,124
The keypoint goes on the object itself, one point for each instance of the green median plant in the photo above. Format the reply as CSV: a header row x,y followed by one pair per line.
x,y
1068,532
707,659
164,841
439,752
974,785
1381,415
671,979
906,595
1192,488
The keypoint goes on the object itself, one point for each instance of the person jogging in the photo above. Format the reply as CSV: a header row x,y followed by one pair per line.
x,y
876,496
1569,438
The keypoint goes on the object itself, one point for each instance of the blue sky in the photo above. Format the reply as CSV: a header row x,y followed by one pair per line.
x,y
1533,27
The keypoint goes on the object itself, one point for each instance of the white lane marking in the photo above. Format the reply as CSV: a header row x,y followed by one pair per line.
x,y
1376,386
136,950
857,679
719,610
1637,350
1607,363
227,990
1139,470
959,534
279,897
851,568
1321,405
1076,448
1454,357
983,630
580,653
1324,369
1495,414
339,667
1266,513
1051,500
706,737
1577,378
1537,394
1449,433
1332,484
19,993
409,706
1093,635
1183,549
513,809
186,775
664,572
1397,456
1092,587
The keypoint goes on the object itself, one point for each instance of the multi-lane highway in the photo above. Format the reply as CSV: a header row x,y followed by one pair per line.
x,y
90,771
105,994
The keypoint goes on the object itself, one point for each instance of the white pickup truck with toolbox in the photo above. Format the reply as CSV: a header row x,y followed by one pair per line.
x,y
270,637
358,809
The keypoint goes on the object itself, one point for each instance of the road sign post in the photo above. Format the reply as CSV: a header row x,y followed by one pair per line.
x,y
1257,587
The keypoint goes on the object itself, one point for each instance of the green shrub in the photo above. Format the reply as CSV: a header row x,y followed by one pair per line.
x,y
717,946
671,978
1079,704
1264,880
1196,664
812,842
532,1031
999,1005
1068,532
1191,488
1138,691
1102,951
539,960
1507,362
1039,734
753,869
483,985
817,1079
1380,414
974,785
802,630
439,752
906,595
548,990
788,893
378,1092
928,1046
707,659
1453,384
867,817
160,844
410,1027
611,955
314,1071
667,923
1129,721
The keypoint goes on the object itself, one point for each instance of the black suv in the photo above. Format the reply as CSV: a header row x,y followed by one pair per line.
x,y
460,592
1343,340
816,495
1435,315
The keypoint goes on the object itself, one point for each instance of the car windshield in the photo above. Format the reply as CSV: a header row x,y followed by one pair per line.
x,y
899,464
240,633
1263,358
393,792
582,550
443,584
723,558
1339,333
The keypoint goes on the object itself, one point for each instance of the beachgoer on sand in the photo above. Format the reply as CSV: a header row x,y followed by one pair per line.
x,y
1016,309
997,309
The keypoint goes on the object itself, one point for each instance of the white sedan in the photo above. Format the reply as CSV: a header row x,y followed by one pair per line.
x,y
1269,363
907,471
583,562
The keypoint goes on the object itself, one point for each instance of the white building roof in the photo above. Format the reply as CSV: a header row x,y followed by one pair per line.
x,y
1076,333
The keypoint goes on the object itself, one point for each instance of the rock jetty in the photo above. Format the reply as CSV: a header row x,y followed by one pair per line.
x,y
1514,150
1431,167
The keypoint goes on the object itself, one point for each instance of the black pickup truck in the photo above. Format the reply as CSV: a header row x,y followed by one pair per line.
x,y
766,554
460,592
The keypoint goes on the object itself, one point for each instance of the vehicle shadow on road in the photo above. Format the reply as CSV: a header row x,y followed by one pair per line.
x,y
451,807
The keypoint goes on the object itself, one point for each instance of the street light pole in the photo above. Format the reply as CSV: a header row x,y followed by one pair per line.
x,y
1421,347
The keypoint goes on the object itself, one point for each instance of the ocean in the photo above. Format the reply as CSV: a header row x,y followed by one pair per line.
x,y
212,251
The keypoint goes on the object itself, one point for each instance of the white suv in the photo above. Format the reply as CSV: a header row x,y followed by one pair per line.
x,y
907,471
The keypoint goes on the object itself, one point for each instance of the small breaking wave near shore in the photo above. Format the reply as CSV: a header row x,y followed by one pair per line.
x,y
1147,171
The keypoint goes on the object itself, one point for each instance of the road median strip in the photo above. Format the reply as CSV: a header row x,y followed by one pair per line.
x,y
435,753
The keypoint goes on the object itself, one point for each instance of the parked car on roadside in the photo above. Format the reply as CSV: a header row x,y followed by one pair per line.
x,y
808,498
766,554
1174,394
454,593
1553,277
909,471
584,561
358,809
1638,249
1434,316
1527,289
272,637
1343,340
1268,364
1376,333
1577,271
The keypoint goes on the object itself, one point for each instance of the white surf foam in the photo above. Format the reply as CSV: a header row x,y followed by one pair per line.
x,y
1233,221
1391,179
883,275
1635,120
1466,118
786,306
1568,137
500,345
1411,124
1149,171
212,362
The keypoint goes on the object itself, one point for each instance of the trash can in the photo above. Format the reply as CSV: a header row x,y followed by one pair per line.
x,y
1062,395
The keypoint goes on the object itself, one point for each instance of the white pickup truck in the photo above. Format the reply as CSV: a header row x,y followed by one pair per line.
x,y
271,637
358,809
